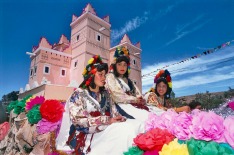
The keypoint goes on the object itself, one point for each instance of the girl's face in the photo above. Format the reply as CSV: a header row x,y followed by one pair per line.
x,y
99,78
161,88
121,67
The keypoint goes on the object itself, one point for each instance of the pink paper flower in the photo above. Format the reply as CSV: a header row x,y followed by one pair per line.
x,y
33,101
45,126
208,126
231,104
165,121
180,126
229,130
151,121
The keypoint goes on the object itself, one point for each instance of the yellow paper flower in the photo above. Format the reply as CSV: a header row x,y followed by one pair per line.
x,y
170,84
174,148
90,61
30,99
84,72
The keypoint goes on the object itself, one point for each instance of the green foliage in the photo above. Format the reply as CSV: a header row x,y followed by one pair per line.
x,y
208,100
172,94
229,93
12,96
176,102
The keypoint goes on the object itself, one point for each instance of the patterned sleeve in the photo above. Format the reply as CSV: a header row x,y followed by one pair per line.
x,y
80,116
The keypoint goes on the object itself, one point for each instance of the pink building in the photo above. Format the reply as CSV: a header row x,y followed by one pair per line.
x,y
56,70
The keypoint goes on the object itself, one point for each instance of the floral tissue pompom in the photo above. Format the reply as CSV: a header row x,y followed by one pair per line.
x,y
52,110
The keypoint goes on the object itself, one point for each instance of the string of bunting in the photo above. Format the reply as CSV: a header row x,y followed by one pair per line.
x,y
193,57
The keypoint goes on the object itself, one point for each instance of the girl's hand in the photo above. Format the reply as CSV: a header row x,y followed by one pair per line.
x,y
118,118
140,100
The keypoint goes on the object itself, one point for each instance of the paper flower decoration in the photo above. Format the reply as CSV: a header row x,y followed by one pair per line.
x,y
198,147
44,126
153,139
180,126
208,126
134,151
34,115
33,101
52,110
174,148
231,104
229,130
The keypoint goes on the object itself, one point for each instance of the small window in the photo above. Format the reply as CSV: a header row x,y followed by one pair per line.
x,y
77,37
63,72
31,72
134,61
98,37
46,69
75,64
135,82
35,70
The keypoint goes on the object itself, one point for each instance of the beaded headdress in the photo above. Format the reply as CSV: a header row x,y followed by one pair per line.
x,y
90,70
121,52
165,74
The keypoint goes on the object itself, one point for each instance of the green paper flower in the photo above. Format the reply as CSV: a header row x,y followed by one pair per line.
x,y
198,147
134,151
12,105
20,106
34,115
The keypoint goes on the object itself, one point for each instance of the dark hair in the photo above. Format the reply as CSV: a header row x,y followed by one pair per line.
x,y
100,67
118,60
167,95
193,104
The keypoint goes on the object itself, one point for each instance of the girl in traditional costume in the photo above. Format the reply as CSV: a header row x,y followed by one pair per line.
x,y
97,127
159,95
123,91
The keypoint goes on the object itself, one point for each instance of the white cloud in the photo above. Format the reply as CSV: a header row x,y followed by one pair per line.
x,y
207,69
129,26
202,79
183,30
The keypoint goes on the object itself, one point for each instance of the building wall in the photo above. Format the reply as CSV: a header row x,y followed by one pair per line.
x,y
87,28
56,63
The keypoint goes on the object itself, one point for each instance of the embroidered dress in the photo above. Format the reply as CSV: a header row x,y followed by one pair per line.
x,y
90,132
123,95
156,104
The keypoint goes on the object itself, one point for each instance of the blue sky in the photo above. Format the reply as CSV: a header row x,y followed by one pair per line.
x,y
169,31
